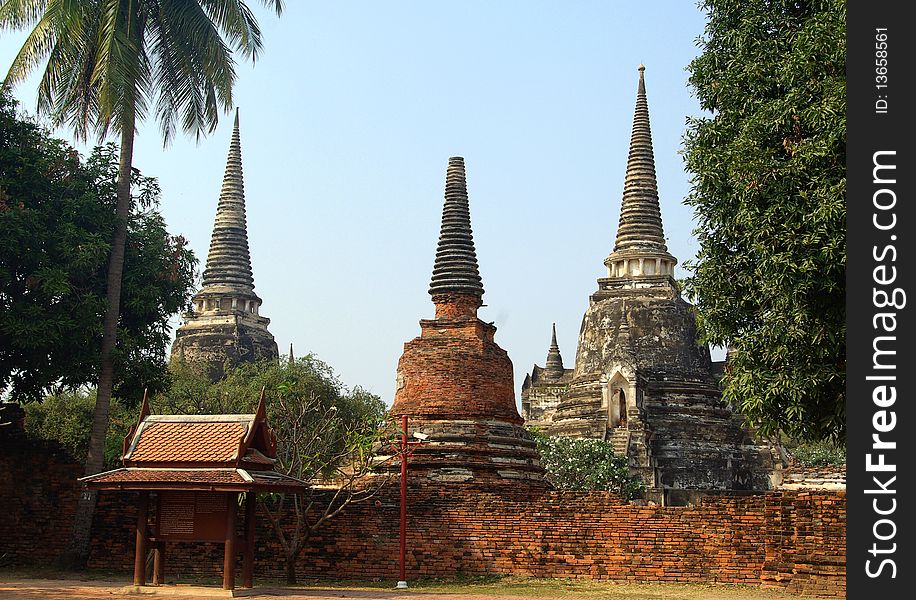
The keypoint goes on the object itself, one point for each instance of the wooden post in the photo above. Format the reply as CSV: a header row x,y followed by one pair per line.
x,y
158,570
140,551
229,559
248,560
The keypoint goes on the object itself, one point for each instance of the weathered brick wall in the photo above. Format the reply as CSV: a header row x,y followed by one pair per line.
x,y
38,495
795,540
455,370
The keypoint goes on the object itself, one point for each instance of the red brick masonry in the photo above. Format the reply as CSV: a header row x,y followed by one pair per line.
x,y
794,540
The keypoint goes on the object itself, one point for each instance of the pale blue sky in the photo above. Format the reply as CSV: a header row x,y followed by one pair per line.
x,y
347,123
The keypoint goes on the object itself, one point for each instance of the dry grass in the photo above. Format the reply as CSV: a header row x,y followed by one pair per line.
x,y
489,586
528,587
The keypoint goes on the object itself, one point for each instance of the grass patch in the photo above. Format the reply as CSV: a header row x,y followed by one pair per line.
x,y
488,585
503,586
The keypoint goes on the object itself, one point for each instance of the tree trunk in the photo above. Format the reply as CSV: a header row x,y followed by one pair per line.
x,y
291,569
78,552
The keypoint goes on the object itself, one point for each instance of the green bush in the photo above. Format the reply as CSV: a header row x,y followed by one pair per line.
x,y
819,454
67,418
584,465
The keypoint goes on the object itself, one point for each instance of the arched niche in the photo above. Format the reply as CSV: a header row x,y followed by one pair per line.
x,y
621,395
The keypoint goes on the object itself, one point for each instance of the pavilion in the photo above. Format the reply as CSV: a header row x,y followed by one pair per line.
x,y
197,465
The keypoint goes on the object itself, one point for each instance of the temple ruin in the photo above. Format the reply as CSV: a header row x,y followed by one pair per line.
x,y
224,327
641,379
453,381
544,387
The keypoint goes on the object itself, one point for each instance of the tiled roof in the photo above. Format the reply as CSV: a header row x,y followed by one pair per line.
x,y
187,441
204,479
210,476
255,457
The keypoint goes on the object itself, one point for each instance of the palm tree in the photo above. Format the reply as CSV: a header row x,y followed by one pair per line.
x,y
107,63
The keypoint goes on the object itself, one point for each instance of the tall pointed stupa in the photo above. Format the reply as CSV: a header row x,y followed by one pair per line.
x,y
642,380
224,327
453,381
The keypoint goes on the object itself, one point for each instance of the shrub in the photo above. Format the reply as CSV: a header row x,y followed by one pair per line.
x,y
819,454
584,465
67,418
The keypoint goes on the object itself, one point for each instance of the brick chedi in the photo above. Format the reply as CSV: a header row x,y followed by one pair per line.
x,y
224,326
543,388
641,378
454,382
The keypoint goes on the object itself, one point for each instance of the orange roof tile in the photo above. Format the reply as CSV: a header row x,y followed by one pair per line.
x,y
187,442
255,457
137,478
211,476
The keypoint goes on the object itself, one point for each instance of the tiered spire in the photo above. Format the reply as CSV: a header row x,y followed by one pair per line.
x,y
554,366
229,262
455,270
640,251
640,225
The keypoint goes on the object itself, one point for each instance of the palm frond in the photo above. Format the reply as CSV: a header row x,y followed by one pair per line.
x,y
277,5
121,70
193,68
34,51
19,14
237,23
108,62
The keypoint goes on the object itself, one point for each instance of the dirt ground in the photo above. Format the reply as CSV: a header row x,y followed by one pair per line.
x,y
15,588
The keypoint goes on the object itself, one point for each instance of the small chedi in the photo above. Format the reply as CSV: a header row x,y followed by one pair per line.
x,y
641,380
544,387
224,327
453,382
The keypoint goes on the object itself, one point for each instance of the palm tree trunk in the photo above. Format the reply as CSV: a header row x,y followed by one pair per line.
x,y
78,552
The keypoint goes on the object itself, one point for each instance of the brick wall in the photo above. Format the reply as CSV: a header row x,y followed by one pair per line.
x,y
455,370
38,495
794,540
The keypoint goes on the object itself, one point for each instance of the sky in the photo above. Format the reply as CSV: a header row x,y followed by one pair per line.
x,y
348,119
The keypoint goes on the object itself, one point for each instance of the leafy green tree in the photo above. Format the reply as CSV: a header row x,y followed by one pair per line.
x,y
107,63
769,189
325,432
56,224
66,418
585,465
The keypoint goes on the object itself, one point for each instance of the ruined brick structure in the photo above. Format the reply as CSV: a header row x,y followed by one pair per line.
x,y
543,388
224,326
792,540
453,381
641,380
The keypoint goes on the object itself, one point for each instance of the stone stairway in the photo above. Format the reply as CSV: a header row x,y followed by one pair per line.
x,y
620,440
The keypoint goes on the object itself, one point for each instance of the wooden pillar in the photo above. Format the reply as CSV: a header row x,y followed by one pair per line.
x,y
229,558
140,550
158,567
248,560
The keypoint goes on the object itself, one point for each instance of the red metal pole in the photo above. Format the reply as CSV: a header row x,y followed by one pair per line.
x,y
402,583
